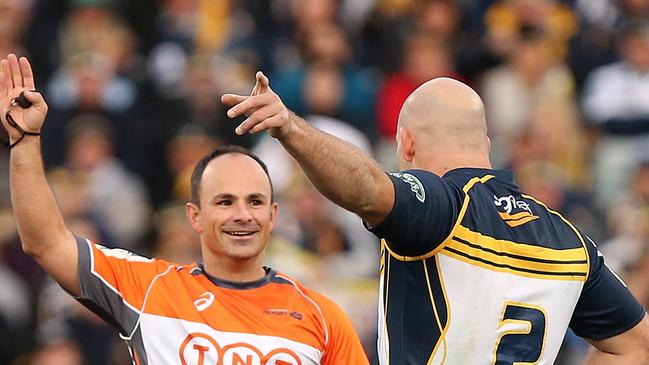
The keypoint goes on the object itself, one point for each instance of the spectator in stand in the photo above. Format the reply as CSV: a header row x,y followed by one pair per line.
x,y
96,75
616,103
326,42
175,241
628,225
531,77
117,197
601,21
423,59
183,151
505,19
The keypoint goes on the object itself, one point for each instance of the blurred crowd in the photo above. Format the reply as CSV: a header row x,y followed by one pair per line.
x,y
133,88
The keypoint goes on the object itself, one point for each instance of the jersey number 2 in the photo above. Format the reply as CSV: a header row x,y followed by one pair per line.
x,y
524,334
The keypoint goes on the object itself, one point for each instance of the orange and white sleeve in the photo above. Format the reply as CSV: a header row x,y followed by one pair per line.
x,y
343,346
114,282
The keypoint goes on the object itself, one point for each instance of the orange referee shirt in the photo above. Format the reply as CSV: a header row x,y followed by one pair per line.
x,y
177,314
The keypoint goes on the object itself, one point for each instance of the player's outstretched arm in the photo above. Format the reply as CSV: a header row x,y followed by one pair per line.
x,y
342,172
630,347
42,231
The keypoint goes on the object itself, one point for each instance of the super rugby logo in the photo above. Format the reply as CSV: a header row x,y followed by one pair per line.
x,y
509,204
201,349
415,185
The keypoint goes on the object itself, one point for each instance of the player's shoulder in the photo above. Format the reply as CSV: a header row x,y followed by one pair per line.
x,y
423,183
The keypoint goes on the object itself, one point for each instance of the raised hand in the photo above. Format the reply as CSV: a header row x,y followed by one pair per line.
x,y
264,109
16,76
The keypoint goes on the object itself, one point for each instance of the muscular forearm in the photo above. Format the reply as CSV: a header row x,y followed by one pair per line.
x,y
37,215
339,170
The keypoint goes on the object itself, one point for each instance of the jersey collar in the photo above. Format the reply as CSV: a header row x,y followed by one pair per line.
x,y
245,285
503,175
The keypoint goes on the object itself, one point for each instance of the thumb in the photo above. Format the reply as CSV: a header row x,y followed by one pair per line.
x,y
262,80
261,84
32,95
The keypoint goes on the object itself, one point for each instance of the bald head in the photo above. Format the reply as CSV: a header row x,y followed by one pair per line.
x,y
446,120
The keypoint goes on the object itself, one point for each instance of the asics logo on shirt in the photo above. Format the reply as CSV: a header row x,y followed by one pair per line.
x,y
204,301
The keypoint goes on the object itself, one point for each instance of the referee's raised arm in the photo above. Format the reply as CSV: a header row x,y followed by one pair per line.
x,y
42,231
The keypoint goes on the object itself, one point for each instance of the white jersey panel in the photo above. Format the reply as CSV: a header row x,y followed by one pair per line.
x,y
477,299
191,343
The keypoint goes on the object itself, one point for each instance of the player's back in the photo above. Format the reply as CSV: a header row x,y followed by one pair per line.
x,y
500,288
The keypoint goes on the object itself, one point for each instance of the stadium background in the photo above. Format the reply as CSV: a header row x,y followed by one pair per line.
x,y
134,86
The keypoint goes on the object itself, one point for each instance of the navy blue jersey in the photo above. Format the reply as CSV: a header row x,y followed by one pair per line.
x,y
473,271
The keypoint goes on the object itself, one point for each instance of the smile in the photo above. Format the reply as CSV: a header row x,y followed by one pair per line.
x,y
240,233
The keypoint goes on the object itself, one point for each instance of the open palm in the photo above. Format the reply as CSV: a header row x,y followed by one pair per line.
x,y
16,76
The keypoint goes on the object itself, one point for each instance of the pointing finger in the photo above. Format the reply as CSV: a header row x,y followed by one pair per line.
x,y
249,104
232,99
260,116
266,124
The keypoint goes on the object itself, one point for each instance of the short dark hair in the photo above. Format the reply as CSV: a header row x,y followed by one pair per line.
x,y
197,174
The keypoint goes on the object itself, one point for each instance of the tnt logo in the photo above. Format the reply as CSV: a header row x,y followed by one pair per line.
x,y
201,349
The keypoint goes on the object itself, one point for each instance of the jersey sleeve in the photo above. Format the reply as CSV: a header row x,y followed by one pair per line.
x,y
114,282
344,346
425,209
606,307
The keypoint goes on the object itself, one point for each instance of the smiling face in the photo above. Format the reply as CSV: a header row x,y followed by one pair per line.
x,y
236,214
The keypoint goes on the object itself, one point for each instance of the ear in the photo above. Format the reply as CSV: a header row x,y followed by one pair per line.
x,y
273,215
193,212
407,144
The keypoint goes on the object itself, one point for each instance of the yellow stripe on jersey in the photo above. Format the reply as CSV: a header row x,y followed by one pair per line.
x,y
516,258
442,329
522,249
515,216
517,219
520,222
442,336
581,239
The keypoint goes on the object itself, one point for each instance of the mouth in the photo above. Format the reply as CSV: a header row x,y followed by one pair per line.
x,y
240,234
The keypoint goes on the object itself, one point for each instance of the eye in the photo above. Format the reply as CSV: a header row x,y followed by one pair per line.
x,y
224,202
256,202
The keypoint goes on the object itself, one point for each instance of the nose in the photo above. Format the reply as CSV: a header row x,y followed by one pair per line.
x,y
241,213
